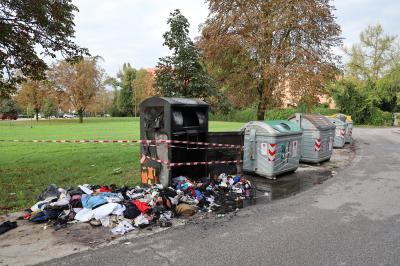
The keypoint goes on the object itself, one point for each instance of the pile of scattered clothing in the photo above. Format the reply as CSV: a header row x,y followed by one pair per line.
x,y
123,209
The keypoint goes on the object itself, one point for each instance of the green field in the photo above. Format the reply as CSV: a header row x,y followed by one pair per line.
x,y
27,168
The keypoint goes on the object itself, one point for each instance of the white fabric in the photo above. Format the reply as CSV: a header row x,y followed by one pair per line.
x,y
84,215
119,210
141,220
122,228
85,189
35,207
113,199
133,195
105,221
99,213
76,210
63,199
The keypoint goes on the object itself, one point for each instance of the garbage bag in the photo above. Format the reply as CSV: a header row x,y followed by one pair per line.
x,y
49,192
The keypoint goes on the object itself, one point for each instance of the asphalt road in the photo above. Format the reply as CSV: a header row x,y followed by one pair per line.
x,y
351,219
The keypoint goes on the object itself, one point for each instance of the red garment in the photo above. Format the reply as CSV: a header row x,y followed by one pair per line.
x,y
142,206
105,189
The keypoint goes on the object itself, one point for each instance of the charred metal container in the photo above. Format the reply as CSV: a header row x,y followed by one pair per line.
x,y
225,153
175,119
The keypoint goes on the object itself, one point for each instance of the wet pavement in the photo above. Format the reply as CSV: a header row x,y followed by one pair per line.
x,y
304,178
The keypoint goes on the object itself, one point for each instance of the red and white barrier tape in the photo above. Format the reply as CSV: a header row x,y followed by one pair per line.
x,y
135,141
191,163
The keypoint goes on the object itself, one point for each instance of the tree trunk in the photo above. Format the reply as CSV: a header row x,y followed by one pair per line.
x,y
262,108
80,114
262,101
37,114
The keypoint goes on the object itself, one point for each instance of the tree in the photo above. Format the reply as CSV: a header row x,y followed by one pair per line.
x,y
273,45
60,98
28,26
126,77
375,55
101,103
181,74
355,98
32,95
49,108
114,83
81,81
8,107
144,86
388,89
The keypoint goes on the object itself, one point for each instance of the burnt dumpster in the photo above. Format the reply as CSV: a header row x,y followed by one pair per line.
x,y
271,147
318,135
231,154
171,129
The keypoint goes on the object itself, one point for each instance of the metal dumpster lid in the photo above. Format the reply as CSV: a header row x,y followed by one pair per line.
x,y
274,127
336,121
175,101
318,121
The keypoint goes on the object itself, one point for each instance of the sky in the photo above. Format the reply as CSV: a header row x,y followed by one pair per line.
x,y
131,30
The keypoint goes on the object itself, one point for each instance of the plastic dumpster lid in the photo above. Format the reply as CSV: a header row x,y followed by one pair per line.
x,y
343,117
274,127
319,121
336,121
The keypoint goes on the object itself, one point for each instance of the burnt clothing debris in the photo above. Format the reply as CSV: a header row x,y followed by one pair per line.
x,y
7,226
126,208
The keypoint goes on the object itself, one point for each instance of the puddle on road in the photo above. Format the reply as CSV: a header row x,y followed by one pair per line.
x,y
287,185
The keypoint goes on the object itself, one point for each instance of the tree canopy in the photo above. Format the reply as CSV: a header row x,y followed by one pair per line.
x,y
8,107
182,73
32,95
272,46
374,56
31,30
81,81
127,102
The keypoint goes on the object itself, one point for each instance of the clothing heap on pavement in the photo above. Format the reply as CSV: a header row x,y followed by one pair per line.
x,y
123,209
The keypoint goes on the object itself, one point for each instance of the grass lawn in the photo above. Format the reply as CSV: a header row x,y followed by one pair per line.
x,y
27,168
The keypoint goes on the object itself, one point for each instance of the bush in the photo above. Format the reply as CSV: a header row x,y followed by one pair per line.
x,y
380,118
279,114
250,114
325,111
236,115
8,106
356,100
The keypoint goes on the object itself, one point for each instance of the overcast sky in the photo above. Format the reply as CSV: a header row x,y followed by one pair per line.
x,y
131,30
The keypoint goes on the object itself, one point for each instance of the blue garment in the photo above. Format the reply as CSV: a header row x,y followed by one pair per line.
x,y
89,201
236,179
199,195
39,217
182,187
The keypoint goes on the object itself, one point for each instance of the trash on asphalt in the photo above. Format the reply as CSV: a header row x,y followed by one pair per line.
x,y
123,209
7,226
